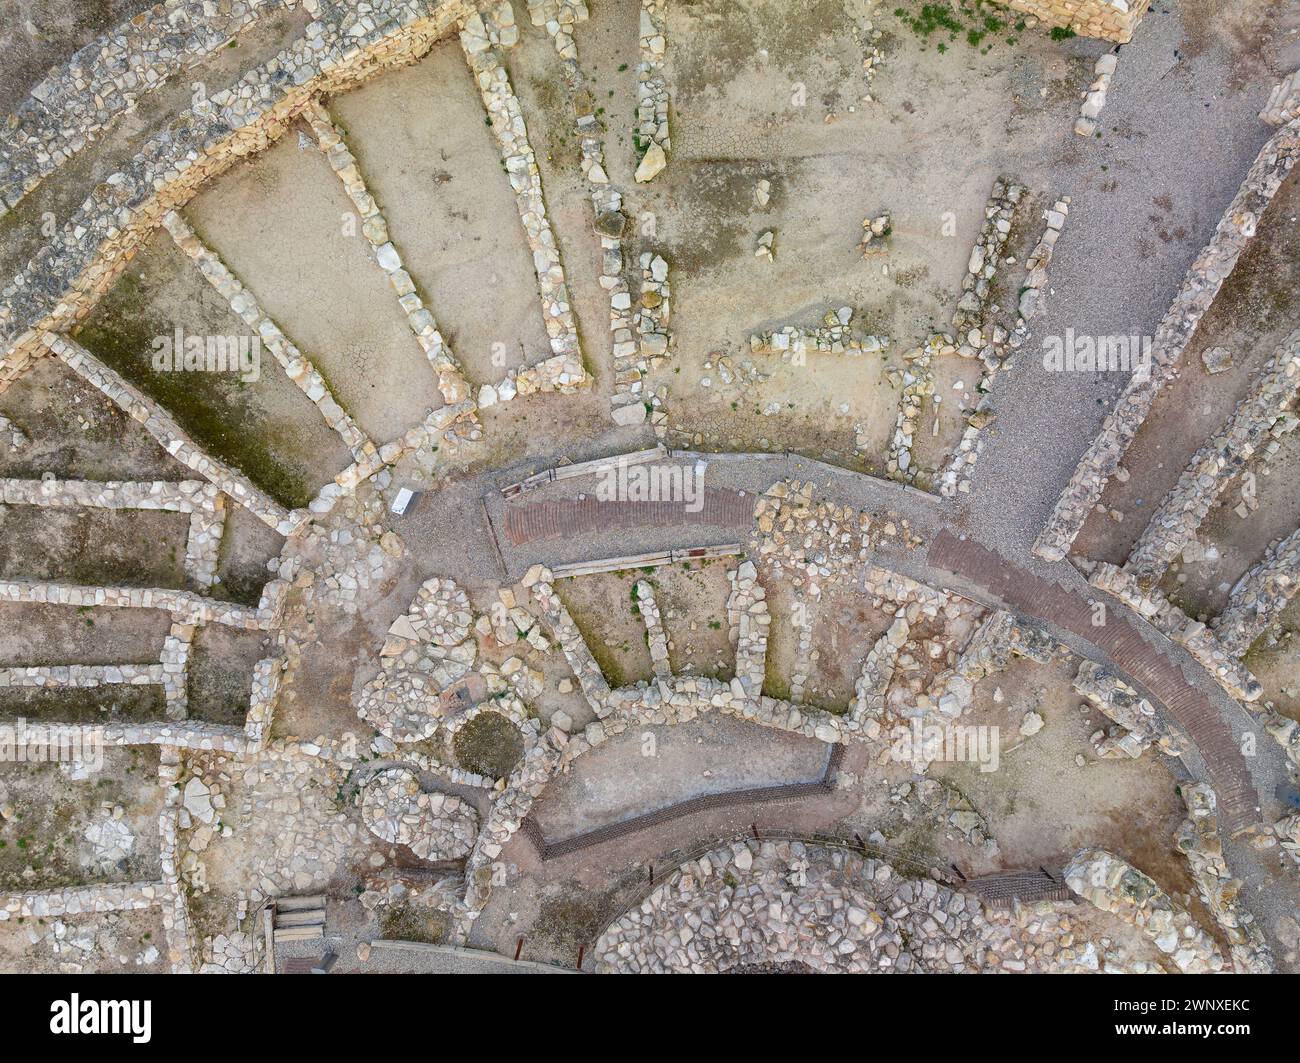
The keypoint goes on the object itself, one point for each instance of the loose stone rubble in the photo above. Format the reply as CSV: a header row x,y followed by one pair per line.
x,y
833,336
834,911
1283,104
1095,97
875,235
11,436
1114,886
1138,725
652,135
433,826
1198,840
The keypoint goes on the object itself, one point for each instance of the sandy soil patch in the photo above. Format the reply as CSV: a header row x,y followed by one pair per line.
x,y
95,547
606,613
280,223
64,634
649,768
76,433
432,163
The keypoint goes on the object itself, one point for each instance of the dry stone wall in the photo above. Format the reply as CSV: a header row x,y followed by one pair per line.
x,y
1114,886
345,45
1260,417
78,101
1111,20
1176,625
1212,267
1260,596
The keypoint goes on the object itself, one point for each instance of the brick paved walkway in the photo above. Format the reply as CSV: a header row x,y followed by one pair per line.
x,y
1134,656
563,518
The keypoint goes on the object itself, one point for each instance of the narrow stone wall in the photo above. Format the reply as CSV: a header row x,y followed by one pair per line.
x,y
1221,458
1260,596
1212,267
1177,626
76,102
348,45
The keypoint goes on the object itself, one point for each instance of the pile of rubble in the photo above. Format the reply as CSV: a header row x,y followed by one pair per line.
x,y
814,544
834,911
834,336
1198,840
875,235
1115,886
1139,726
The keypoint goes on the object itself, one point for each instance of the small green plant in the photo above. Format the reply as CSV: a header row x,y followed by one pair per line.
x,y
1062,33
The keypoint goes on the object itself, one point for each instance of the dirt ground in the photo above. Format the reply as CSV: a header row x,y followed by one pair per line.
x,y
43,842
281,223
650,768
692,600
37,634
76,433
434,168
111,943
265,427
760,92
95,547
607,615
1042,806
221,672
247,544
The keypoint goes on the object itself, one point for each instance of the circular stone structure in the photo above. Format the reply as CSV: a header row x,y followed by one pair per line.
x,y
428,650
434,826
440,612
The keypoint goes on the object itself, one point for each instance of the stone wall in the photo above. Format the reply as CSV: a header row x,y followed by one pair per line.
x,y
1111,20
76,102
1139,726
1114,886
346,45
1177,626
1263,414
1212,267
1259,596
